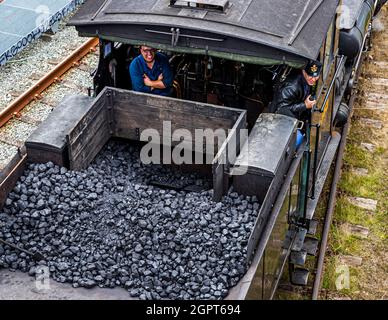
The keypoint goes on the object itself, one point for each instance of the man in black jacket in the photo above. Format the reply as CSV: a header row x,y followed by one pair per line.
x,y
293,96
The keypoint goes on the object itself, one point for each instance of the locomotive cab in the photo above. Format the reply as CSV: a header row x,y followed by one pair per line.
x,y
199,78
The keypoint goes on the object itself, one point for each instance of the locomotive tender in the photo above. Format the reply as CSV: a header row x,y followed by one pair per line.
x,y
227,57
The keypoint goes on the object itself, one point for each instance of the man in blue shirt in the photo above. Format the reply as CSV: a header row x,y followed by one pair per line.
x,y
151,72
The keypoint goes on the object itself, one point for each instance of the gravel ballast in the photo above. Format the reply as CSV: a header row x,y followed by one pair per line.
x,y
107,226
25,69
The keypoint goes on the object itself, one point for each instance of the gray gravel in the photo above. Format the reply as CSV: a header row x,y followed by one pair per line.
x,y
106,226
17,130
34,61
7,152
37,111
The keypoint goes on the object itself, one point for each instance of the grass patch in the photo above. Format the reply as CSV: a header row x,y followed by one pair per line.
x,y
357,157
368,280
329,276
373,186
361,186
343,243
346,212
334,271
378,224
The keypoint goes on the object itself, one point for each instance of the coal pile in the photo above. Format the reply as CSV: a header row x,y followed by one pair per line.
x,y
107,227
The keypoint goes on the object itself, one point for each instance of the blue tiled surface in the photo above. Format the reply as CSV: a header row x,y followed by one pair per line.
x,y
22,22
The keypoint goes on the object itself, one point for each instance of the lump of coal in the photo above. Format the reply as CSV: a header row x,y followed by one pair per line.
x,y
107,226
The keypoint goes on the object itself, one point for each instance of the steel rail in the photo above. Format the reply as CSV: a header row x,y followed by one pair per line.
x,y
333,193
333,190
47,80
330,209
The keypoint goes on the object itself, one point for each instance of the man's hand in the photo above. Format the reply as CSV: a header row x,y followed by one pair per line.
x,y
310,104
147,81
157,84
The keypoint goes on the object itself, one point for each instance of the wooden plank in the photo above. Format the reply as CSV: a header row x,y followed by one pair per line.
x,y
130,127
90,134
135,112
91,148
202,112
236,135
78,129
351,261
382,82
366,204
222,161
11,173
184,106
142,116
355,230
218,182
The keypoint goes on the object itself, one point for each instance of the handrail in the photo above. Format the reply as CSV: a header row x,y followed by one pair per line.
x,y
317,133
327,96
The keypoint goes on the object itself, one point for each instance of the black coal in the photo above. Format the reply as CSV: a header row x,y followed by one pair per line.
x,y
107,227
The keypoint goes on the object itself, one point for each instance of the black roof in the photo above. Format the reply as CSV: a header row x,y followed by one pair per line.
x,y
293,30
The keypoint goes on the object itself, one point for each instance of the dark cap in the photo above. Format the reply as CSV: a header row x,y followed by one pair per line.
x,y
313,68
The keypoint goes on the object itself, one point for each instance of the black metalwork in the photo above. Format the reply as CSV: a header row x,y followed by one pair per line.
x,y
327,96
184,35
306,194
315,169
249,22
212,5
299,27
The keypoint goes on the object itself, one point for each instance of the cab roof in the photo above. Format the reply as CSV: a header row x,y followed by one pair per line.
x,y
291,30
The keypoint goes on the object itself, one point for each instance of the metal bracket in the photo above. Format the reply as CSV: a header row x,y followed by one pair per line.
x,y
175,33
318,131
300,125
109,95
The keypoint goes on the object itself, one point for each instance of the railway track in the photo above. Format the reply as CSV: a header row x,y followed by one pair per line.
x,y
370,95
16,122
35,92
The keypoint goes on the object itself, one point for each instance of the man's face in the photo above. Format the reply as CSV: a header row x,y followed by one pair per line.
x,y
310,80
148,53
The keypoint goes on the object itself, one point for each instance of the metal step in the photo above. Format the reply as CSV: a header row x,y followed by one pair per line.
x,y
313,226
299,240
300,277
322,173
298,257
311,246
289,236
